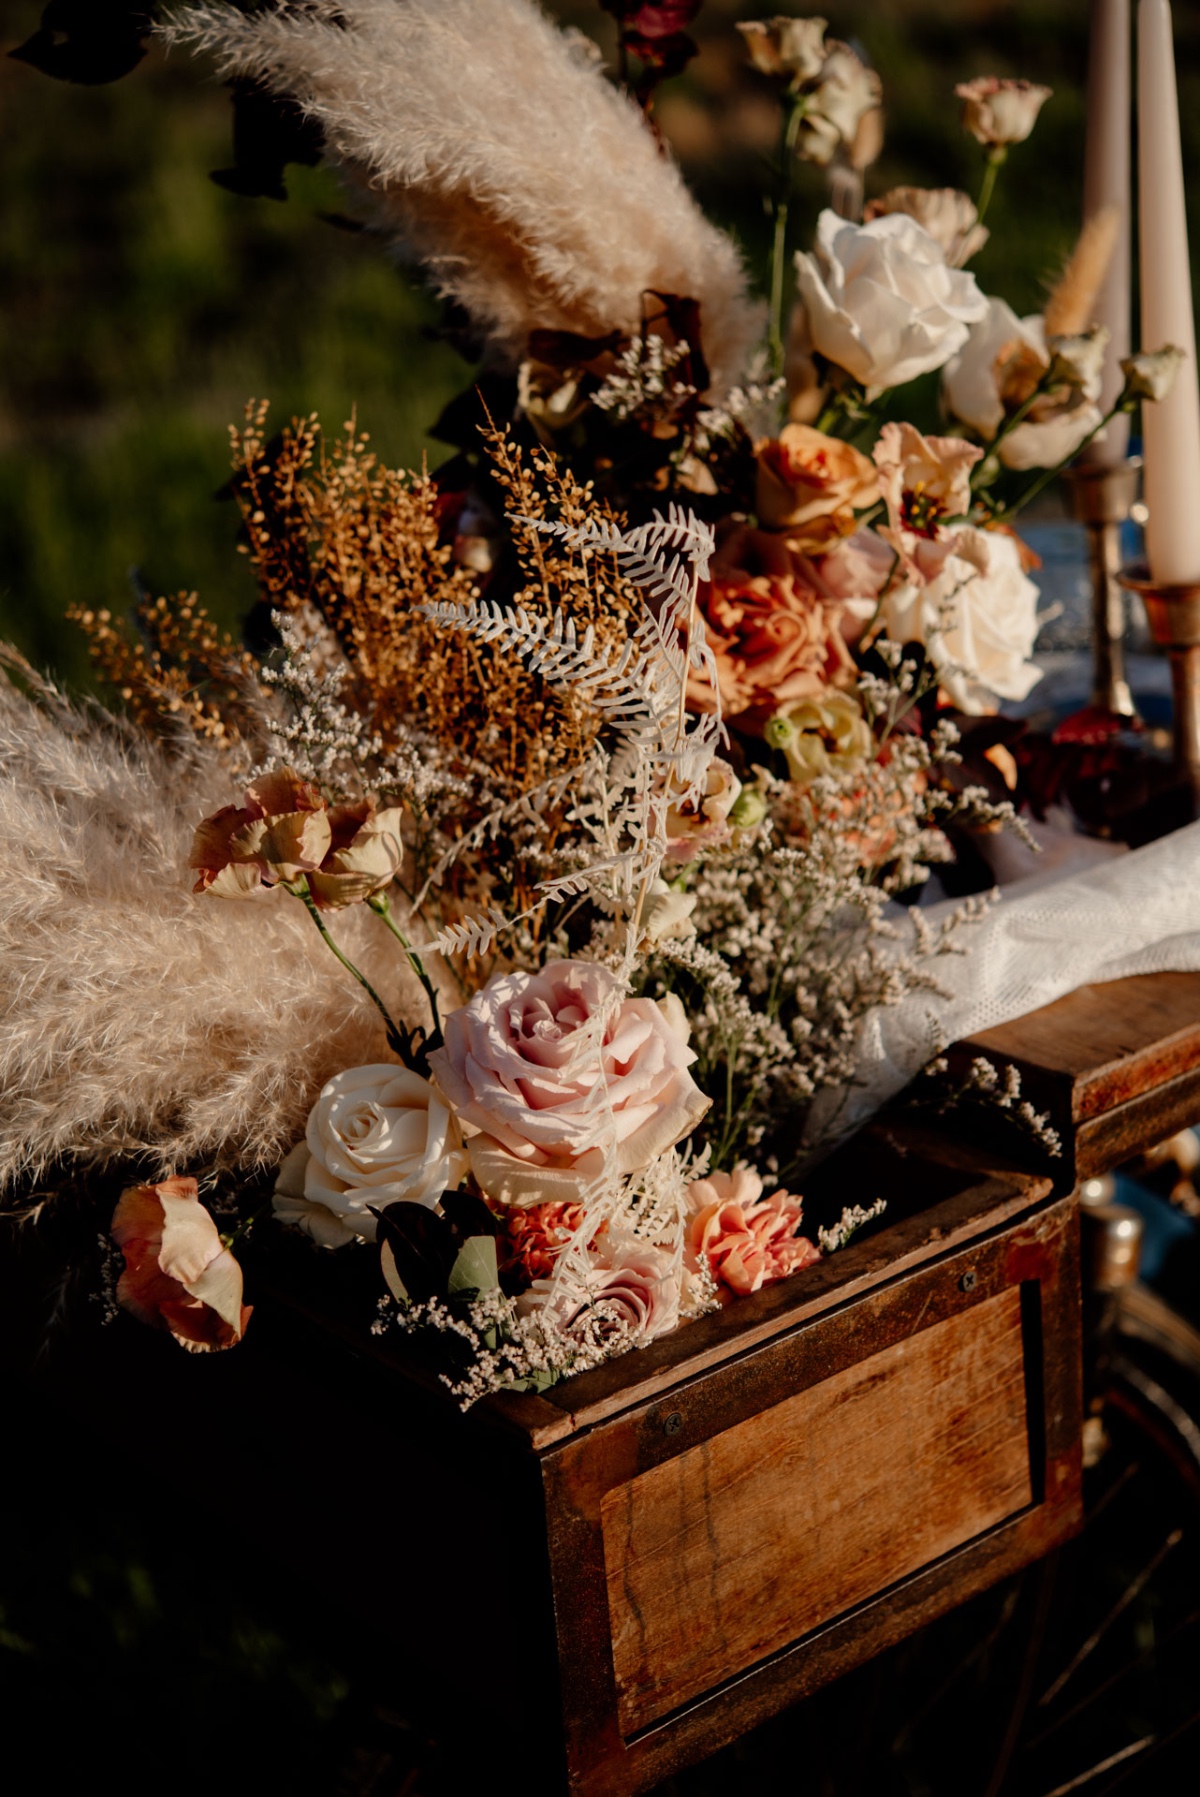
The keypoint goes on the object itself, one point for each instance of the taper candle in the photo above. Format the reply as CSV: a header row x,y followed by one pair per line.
x,y
1171,427
1106,183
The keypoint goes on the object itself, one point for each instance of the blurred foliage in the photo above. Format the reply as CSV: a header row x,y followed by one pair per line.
x,y
145,305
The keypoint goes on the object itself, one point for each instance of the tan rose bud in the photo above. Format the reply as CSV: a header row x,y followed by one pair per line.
x,y
1000,112
811,484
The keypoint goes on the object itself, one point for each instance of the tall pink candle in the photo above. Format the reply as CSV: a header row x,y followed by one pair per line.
x,y
1106,183
1171,428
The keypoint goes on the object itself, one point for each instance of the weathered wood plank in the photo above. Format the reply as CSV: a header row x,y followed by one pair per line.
x,y
735,1548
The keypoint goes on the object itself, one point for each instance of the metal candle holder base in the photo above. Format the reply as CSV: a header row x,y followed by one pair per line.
x,y
1101,496
1173,613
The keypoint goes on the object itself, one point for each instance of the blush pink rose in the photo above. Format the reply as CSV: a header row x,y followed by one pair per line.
x,y
179,1275
638,1290
749,1241
556,1107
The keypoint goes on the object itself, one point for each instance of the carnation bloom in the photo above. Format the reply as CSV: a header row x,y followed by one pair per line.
x,y
774,636
997,371
564,1080
749,1241
810,485
950,216
178,1275
998,112
376,1135
881,302
536,1234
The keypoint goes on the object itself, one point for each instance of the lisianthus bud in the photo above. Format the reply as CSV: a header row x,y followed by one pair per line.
x,y
1151,373
950,217
749,809
1078,361
1000,112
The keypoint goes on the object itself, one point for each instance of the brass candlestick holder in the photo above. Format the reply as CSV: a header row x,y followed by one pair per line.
x,y
1101,496
1173,613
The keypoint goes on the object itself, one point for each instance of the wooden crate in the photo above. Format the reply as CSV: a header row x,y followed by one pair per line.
x,y
1116,1065
668,1550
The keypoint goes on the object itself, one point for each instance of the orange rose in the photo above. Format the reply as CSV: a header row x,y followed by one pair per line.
x,y
810,485
774,636
749,1241
178,1275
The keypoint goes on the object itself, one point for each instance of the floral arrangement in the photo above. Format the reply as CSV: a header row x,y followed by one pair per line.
x,y
546,847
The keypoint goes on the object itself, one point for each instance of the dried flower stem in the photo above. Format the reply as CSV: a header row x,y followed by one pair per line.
x,y
381,905
299,888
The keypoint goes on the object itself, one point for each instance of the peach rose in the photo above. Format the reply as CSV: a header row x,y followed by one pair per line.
x,y
749,1241
810,485
556,1108
774,636
179,1275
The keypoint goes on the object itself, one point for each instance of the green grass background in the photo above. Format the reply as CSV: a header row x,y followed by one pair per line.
x,y
142,305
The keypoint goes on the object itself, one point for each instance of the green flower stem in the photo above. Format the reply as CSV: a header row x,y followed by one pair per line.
x,y
230,1238
996,158
1010,424
787,148
299,888
381,905
1043,480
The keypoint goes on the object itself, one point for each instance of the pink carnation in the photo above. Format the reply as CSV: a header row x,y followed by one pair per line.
x,y
749,1241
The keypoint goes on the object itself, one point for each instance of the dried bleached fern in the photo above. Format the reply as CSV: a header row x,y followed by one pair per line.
x,y
135,1019
499,157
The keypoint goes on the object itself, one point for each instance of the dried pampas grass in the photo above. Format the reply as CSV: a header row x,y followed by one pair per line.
x,y
135,1018
495,153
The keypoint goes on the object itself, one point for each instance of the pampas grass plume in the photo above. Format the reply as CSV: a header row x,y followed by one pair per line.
x,y
492,149
1069,309
136,1019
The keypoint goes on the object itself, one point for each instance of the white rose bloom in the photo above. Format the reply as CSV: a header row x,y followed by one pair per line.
x,y
376,1134
975,611
1003,346
881,302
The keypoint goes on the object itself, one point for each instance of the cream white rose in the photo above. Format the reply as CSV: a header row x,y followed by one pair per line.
x,y
881,302
999,366
376,1134
564,1080
974,609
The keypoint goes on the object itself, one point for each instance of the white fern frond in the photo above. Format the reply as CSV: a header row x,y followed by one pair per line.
x,y
471,936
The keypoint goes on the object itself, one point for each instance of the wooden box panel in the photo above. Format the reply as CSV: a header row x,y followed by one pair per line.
x,y
726,1553
733,1540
